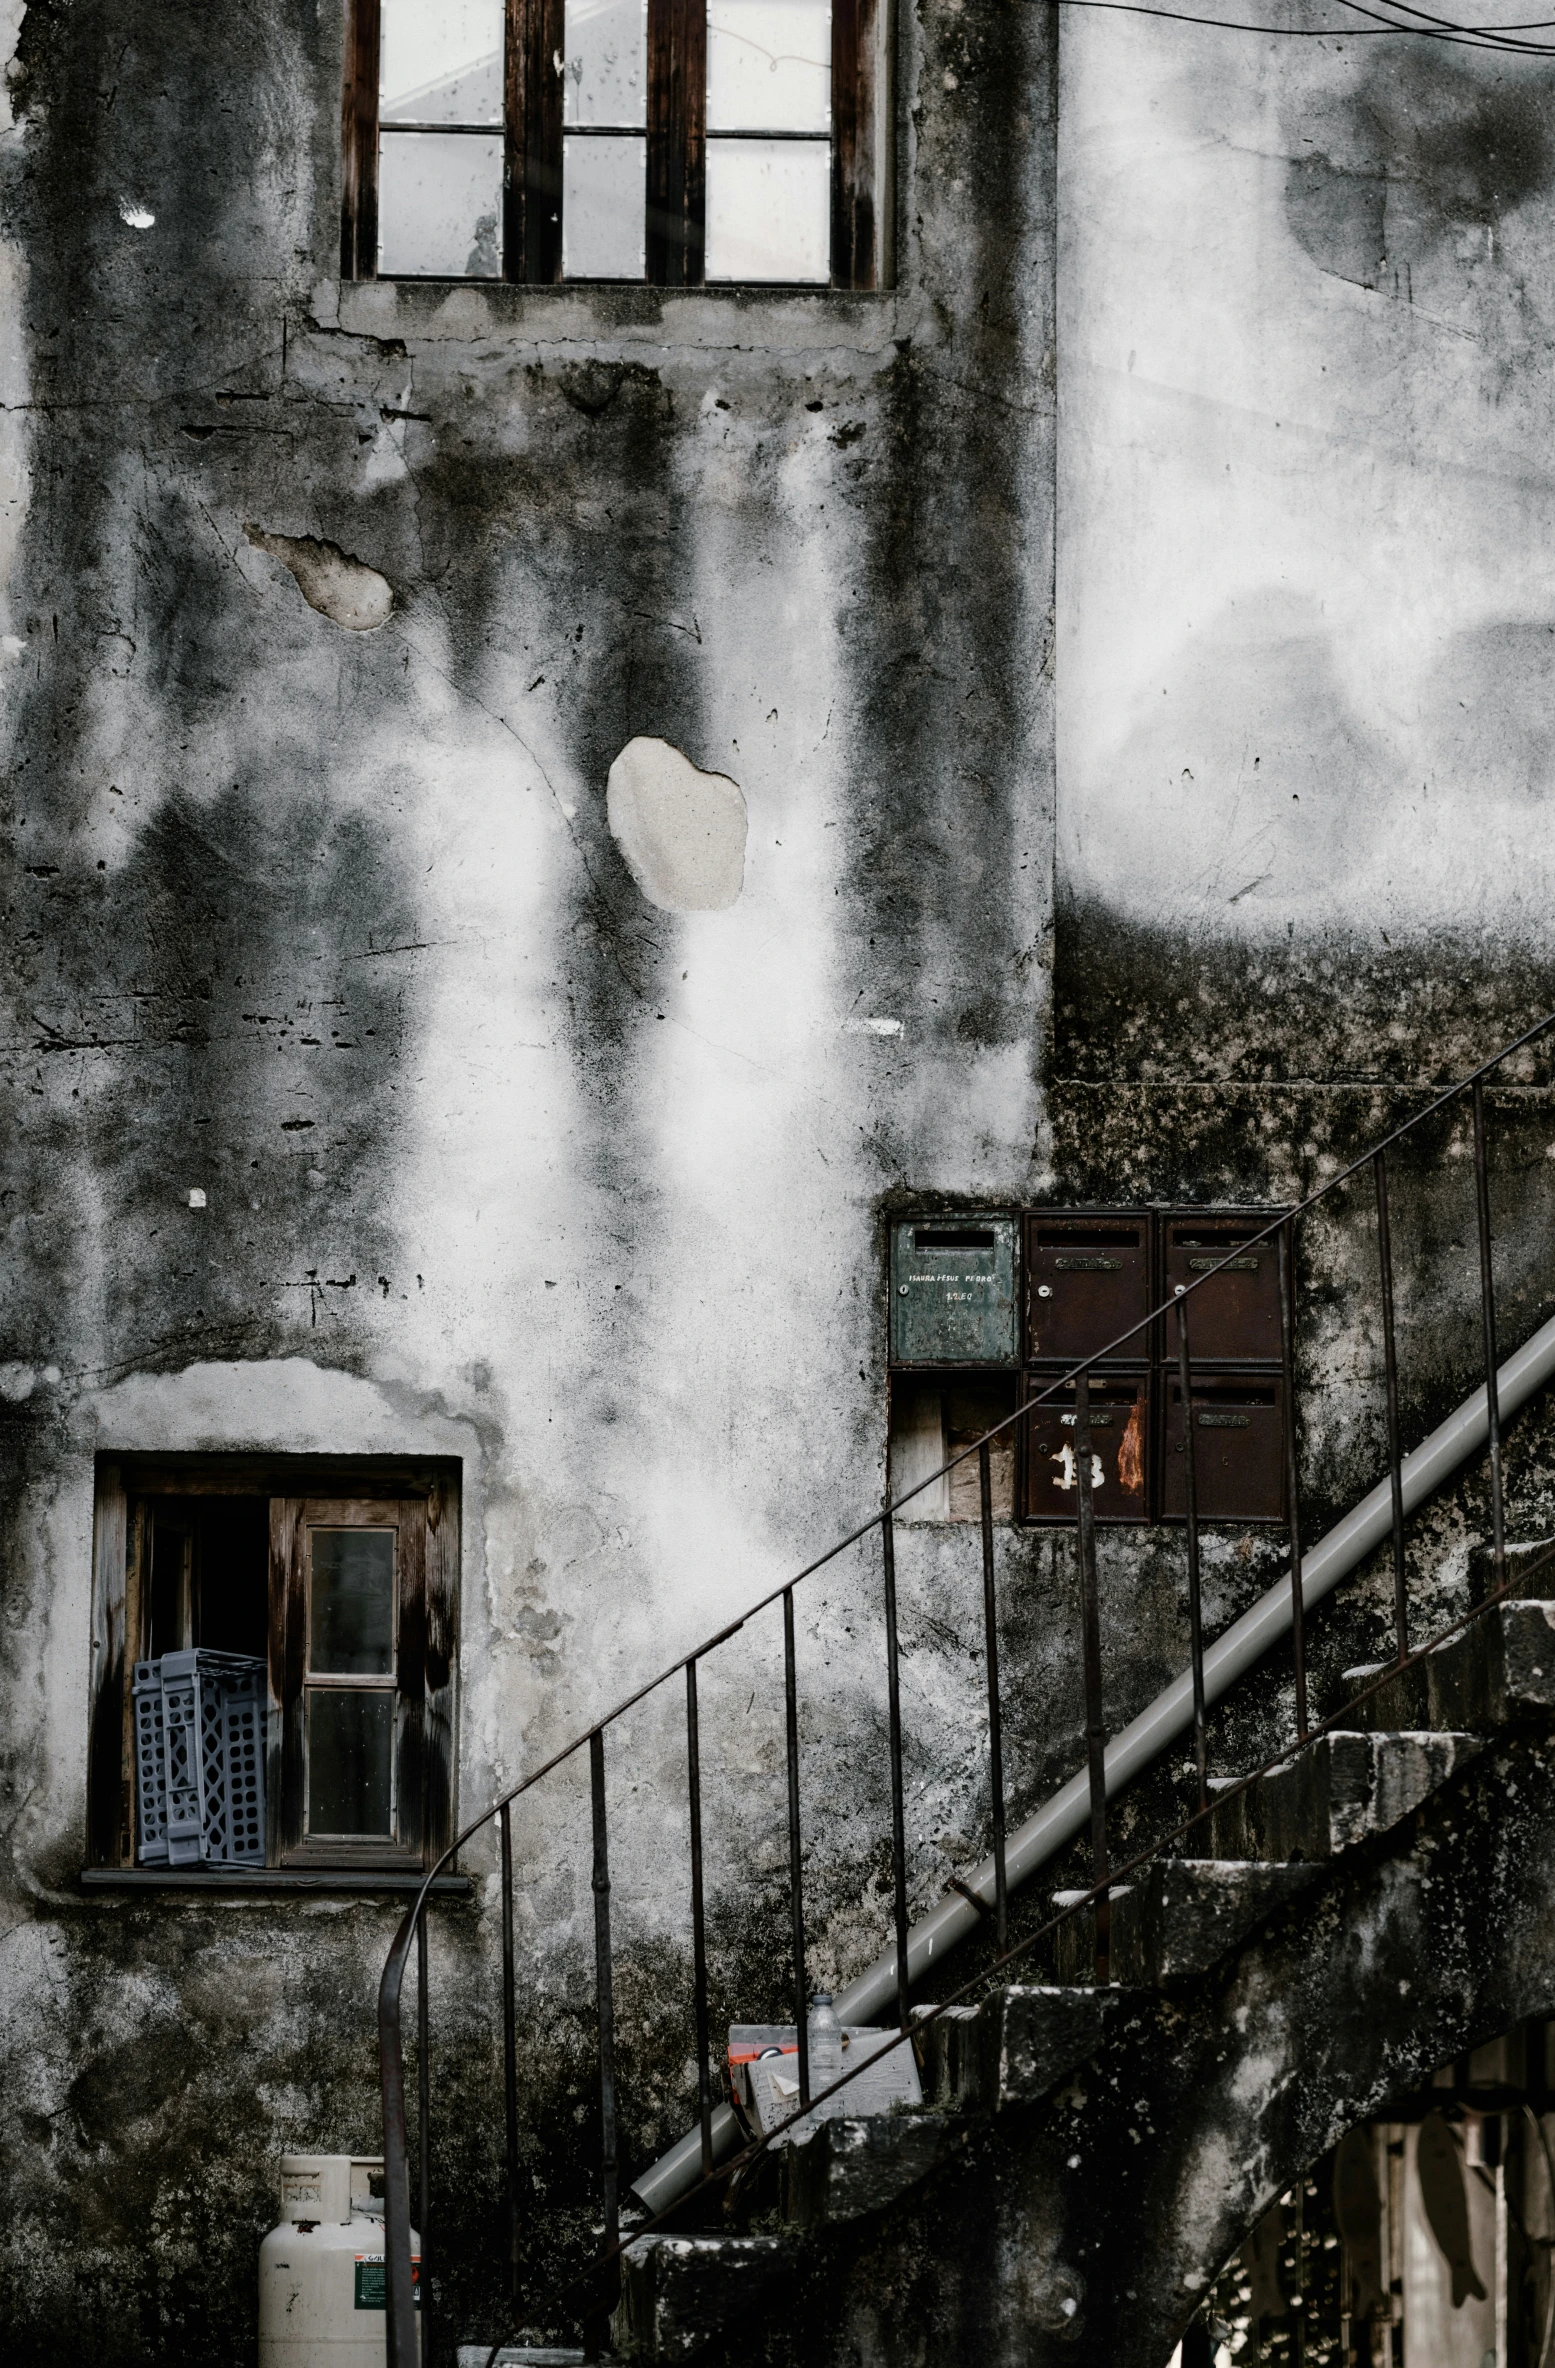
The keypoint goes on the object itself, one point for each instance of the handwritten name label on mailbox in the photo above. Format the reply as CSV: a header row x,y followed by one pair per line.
x,y
953,1291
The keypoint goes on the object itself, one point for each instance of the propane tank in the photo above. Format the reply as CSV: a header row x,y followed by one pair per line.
x,y
323,2289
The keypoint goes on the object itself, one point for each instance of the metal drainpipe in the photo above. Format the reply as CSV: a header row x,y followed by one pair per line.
x,y
1168,1716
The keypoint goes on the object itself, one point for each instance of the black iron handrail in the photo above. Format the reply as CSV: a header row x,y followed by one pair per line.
x,y
402,2315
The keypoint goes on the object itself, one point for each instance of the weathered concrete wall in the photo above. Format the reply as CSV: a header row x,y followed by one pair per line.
x,y
327,613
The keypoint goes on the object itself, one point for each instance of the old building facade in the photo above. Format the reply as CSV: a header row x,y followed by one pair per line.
x,y
542,819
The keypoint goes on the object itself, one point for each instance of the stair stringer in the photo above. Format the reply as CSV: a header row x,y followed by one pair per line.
x,y
1083,2231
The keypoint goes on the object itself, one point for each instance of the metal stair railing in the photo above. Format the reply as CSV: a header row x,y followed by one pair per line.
x,y
1109,1763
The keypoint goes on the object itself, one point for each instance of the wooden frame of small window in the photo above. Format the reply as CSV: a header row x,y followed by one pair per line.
x,y
420,1501
676,143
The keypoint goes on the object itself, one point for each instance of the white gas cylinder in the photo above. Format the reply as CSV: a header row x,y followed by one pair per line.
x,y
322,2273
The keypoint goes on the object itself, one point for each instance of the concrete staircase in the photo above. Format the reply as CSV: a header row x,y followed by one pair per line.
x,y
1348,1801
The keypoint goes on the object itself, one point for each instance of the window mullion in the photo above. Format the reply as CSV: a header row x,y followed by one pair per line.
x,y
359,179
532,227
677,141
854,31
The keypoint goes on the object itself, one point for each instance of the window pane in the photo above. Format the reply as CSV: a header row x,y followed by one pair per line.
x,y
768,66
440,205
351,1602
350,1762
607,61
604,194
441,61
768,210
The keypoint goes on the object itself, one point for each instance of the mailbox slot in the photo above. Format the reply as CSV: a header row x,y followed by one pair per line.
x,y
1087,1281
1234,1318
1120,1450
953,1291
1239,1448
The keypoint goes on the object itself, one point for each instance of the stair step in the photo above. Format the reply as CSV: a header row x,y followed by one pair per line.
x,y
1015,2048
518,2355
1500,1669
852,2166
1181,1916
1338,1791
681,2293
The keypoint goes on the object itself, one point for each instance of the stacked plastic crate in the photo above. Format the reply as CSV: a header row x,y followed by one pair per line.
x,y
200,1760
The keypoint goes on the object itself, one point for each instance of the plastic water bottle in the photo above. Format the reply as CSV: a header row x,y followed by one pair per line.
x,y
825,2046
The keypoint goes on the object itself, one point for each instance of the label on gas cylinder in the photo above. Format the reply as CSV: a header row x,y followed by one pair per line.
x,y
372,2282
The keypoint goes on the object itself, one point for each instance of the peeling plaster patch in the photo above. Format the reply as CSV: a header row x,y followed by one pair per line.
x,y
345,590
681,831
136,217
17,1382
871,1027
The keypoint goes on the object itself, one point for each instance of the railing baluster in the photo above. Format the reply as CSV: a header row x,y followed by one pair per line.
x,y
698,1927
1090,1628
1379,1168
605,1996
795,1862
424,2128
1298,1634
402,2333
1190,1488
1487,1302
995,1731
898,1809
509,2046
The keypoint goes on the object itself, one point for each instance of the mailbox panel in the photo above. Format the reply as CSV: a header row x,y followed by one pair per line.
x,y
953,1291
1239,1447
1234,1319
1087,1281
1120,1450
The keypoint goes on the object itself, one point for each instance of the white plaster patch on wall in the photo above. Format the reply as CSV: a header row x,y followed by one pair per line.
x,y
135,217
346,590
289,1406
681,831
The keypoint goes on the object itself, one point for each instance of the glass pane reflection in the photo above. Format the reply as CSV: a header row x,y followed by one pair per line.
x,y
769,210
440,205
351,1602
607,62
440,61
350,1762
768,65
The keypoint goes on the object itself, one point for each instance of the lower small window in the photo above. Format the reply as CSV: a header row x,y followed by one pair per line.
x,y
273,1663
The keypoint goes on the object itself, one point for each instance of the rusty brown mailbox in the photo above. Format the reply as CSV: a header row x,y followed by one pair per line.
x,y
1234,1318
1238,1447
1120,1449
1087,1281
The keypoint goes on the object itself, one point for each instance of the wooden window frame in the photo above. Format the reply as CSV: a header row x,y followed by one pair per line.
x,y
676,145
425,1494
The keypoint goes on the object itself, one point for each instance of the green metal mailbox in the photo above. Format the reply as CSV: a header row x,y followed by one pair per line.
x,y
953,1291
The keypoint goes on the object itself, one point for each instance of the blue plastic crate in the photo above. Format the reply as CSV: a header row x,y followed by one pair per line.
x,y
200,1722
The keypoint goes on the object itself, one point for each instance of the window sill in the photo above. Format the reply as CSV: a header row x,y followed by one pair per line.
x,y
621,313
267,1878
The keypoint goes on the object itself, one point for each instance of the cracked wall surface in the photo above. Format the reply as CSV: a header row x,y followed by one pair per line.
x,y
327,612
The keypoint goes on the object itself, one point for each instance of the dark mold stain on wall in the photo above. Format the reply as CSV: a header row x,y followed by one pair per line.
x,y
216,926
1420,150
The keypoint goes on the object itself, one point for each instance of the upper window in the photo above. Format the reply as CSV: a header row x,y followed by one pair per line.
x,y
677,142
274,1663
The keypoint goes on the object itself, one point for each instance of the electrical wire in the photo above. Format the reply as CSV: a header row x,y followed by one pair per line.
x,y
1379,28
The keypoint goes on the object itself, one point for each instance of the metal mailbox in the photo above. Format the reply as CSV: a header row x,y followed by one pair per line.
x,y
1238,1443
1235,1318
1087,1281
1120,1450
953,1291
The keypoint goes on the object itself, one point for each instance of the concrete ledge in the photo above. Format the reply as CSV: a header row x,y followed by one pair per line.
x,y
1338,1792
